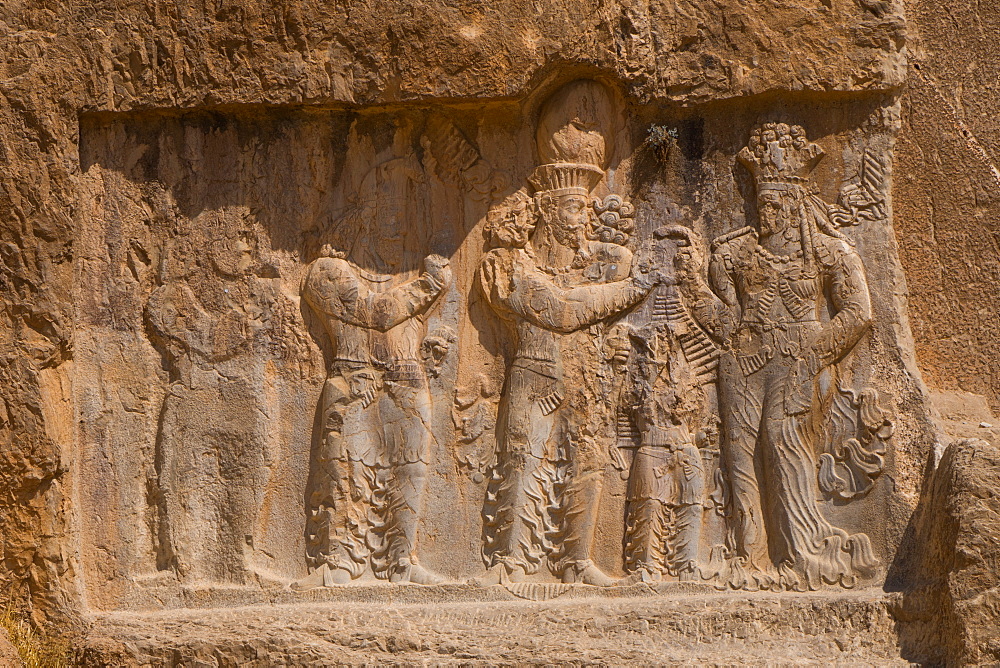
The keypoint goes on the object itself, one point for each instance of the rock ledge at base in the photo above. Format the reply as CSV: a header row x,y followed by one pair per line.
x,y
756,629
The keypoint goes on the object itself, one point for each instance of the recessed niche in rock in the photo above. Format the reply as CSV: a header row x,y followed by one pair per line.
x,y
565,340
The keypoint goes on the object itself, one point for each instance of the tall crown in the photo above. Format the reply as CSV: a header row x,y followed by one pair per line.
x,y
575,131
566,178
779,156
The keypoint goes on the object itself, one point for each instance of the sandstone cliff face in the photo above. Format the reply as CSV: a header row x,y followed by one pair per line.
x,y
948,191
86,58
136,135
951,612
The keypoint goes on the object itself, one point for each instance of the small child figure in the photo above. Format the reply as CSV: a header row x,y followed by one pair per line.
x,y
669,407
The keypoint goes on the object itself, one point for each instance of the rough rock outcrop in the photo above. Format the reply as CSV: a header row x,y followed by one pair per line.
x,y
951,610
8,653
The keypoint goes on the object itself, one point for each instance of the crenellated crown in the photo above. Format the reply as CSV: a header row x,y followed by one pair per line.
x,y
566,178
573,138
779,156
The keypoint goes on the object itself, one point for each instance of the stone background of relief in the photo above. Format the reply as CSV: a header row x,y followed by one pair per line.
x,y
176,202
948,194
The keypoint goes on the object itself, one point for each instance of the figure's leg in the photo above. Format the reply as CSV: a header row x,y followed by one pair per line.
x,y
686,541
517,513
740,405
191,485
243,478
339,490
581,507
169,554
408,439
814,551
644,551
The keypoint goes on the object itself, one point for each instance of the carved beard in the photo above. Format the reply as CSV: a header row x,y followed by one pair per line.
x,y
386,252
563,236
774,221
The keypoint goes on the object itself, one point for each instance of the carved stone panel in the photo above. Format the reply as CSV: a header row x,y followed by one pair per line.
x,y
570,340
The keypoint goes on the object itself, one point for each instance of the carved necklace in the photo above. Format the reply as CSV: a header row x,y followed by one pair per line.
x,y
775,260
556,271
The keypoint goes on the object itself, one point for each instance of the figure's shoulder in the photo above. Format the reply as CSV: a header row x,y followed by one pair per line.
x,y
172,294
504,258
330,268
495,254
332,264
329,278
832,250
735,239
733,244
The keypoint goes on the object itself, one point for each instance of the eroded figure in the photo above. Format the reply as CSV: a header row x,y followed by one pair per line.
x,y
559,286
218,323
787,301
668,402
369,470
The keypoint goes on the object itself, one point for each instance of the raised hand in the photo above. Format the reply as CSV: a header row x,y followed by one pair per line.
x,y
438,268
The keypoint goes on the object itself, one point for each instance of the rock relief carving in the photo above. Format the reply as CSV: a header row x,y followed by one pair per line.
x,y
729,391
457,162
435,348
673,467
369,470
861,199
558,273
217,325
474,416
787,302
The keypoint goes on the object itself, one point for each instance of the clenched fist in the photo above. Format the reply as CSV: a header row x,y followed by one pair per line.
x,y
438,268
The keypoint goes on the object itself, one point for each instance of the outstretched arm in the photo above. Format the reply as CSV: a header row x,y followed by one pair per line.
x,y
512,283
333,289
716,307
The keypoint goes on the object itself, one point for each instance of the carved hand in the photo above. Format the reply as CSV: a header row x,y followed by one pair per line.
x,y
644,273
688,260
814,362
438,268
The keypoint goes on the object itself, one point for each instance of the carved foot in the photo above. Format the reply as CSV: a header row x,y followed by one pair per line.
x,y
636,577
324,576
729,571
643,575
585,572
499,574
415,574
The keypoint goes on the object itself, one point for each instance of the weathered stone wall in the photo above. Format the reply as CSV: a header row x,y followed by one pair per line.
x,y
166,199
83,84
948,193
78,58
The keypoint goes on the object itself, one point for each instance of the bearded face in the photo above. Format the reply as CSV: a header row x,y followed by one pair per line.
x,y
392,244
568,216
773,211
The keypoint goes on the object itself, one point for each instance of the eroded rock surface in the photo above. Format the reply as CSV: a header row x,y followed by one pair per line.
x,y
302,298
756,630
951,612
